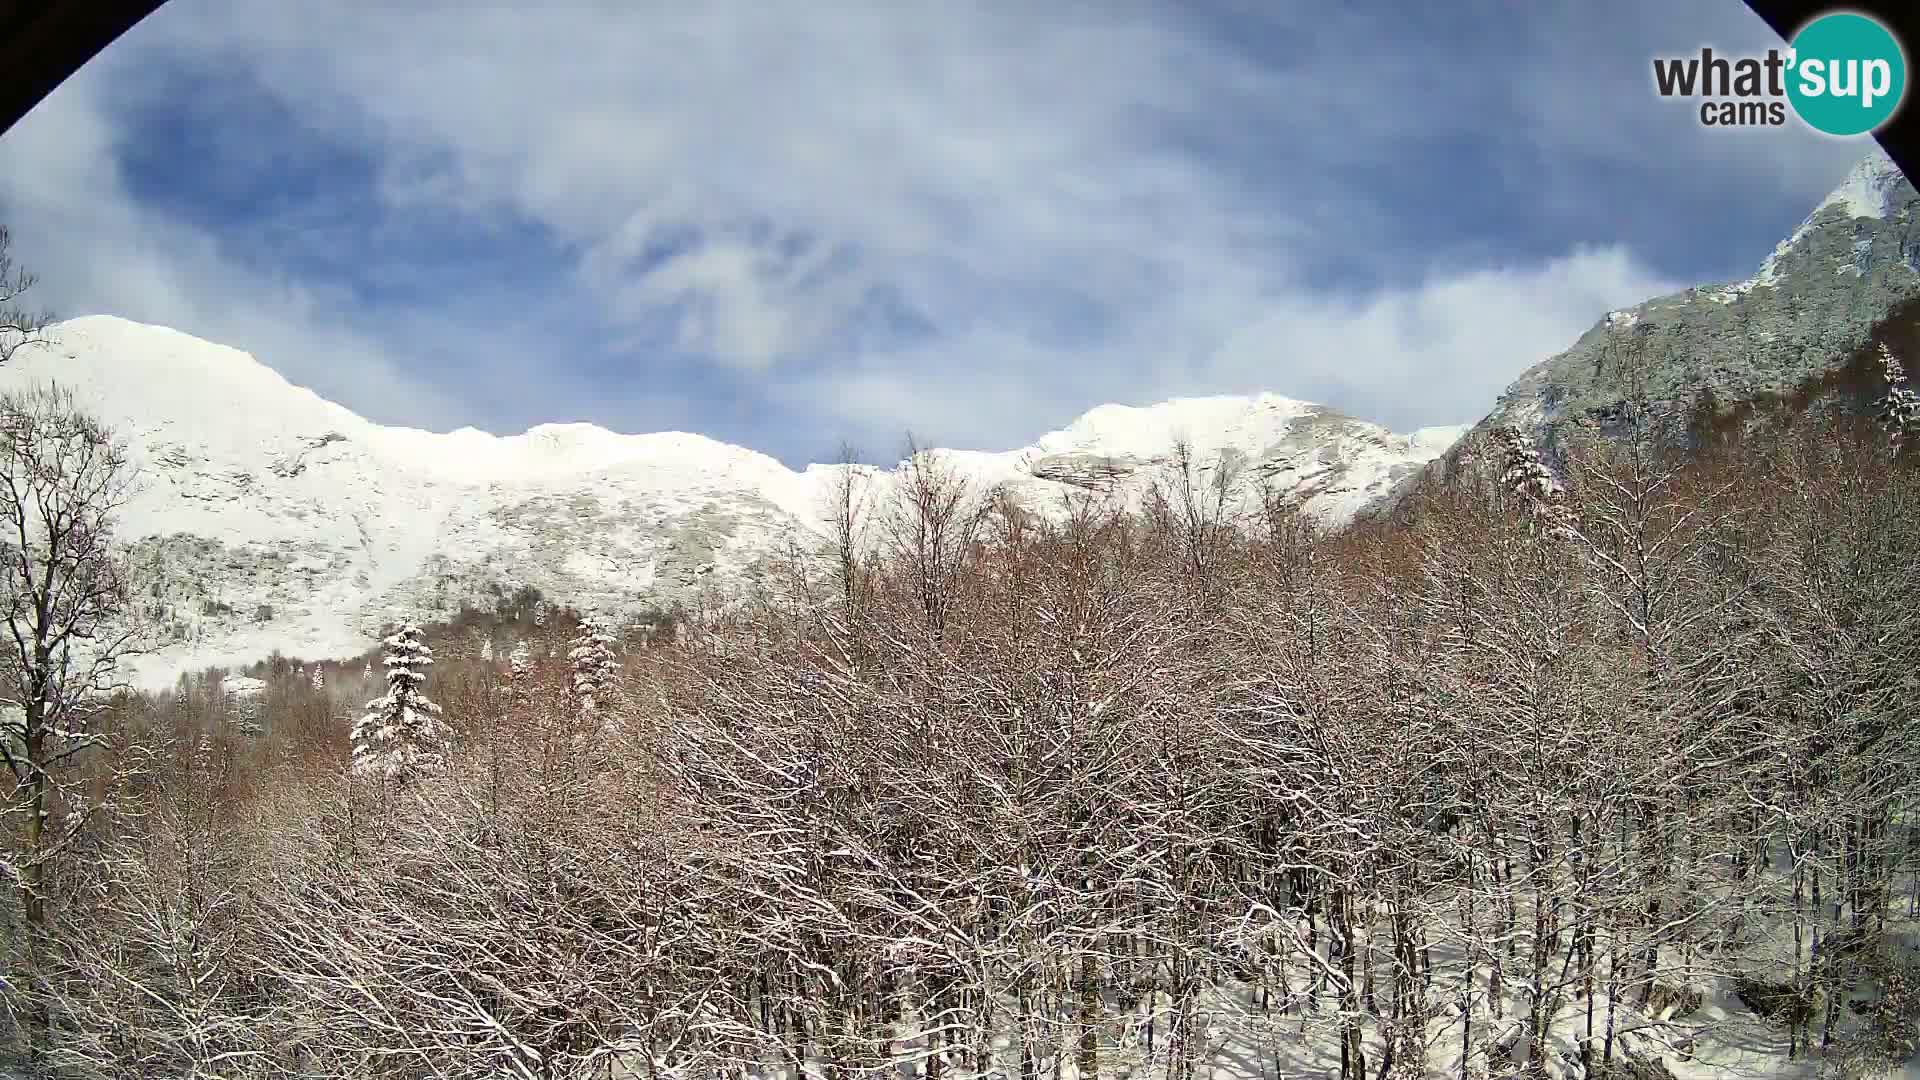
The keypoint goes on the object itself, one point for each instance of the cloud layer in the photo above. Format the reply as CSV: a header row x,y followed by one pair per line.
x,y
786,224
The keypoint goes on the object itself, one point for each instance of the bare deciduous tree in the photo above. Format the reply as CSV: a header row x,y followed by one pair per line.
x,y
63,477
935,522
20,325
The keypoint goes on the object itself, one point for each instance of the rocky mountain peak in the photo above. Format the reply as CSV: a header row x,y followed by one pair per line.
x,y
1810,305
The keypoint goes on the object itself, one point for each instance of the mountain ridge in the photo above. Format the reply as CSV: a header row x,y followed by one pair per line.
x,y
1723,356
1809,306
270,518
291,523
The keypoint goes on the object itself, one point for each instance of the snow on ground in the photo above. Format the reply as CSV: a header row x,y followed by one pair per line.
x,y
1289,1029
1244,1034
242,686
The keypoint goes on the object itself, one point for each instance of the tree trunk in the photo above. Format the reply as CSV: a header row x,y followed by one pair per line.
x,y
33,901
1353,1056
1088,1061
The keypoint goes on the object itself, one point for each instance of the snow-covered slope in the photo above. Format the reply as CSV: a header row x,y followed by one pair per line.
x,y
269,518
1871,189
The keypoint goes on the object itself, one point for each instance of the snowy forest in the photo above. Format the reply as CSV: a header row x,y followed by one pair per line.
x,y
1596,763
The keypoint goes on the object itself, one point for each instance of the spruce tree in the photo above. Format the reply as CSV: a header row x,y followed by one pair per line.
x,y
402,735
1525,475
1900,408
591,657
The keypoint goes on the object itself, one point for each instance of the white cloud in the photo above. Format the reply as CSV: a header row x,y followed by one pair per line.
x,y
93,246
1444,349
975,220
1438,351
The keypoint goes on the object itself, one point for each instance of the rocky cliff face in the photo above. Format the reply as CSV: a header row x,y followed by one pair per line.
x,y
1810,306
269,518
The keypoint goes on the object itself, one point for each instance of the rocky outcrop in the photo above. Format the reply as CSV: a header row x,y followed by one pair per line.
x,y
1721,355
1807,311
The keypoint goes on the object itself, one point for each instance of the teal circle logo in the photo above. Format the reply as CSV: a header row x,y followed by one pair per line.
x,y
1847,74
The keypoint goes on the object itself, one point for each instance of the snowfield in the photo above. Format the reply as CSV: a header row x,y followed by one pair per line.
x,y
269,518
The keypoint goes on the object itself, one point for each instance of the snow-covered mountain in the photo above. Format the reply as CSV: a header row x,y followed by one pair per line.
x,y
1714,352
1808,308
269,518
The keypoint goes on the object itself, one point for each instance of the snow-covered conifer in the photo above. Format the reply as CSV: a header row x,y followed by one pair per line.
x,y
1900,408
1521,468
591,658
1523,473
402,734
246,714
319,679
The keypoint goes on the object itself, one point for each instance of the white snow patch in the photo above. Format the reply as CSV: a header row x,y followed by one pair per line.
x,y
242,686
1866,192
1868,188
1436,440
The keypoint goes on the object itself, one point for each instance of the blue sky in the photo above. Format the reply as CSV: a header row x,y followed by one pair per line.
x,y
787,224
